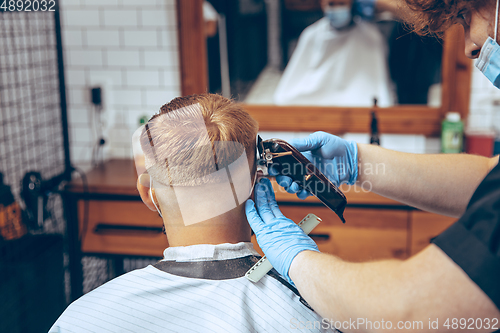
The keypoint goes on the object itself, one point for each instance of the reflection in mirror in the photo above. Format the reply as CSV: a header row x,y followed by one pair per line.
x,y
318,52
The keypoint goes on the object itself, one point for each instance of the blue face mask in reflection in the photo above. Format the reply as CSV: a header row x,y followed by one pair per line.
x,y
489,61
339,17
489,58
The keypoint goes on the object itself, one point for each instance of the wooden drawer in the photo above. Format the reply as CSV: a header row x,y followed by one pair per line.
x,y
121,227
367,235
426,226
361,244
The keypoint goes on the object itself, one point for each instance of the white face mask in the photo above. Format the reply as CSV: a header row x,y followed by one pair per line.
x,y
152,199
489,58
339,16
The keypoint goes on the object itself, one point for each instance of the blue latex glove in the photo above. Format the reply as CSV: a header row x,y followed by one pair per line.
x,y
279,237
364,9
336,158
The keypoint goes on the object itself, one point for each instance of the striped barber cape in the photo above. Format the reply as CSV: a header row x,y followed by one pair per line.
x,y
199,288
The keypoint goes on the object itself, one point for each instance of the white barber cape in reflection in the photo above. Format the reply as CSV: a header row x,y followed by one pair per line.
x,y
341,68
151,300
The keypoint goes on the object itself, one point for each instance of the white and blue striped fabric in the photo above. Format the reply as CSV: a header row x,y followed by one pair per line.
x,y
151,300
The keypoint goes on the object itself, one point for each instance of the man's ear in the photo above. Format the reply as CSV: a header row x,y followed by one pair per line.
x,y
143,186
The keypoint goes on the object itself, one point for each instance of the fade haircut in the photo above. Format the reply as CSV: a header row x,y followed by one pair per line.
x,y
191,137
436,16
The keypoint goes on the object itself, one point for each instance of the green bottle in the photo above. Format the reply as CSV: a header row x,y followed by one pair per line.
x,y
452,134
142,120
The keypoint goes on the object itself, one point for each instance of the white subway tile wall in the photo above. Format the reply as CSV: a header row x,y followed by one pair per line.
x,y
123,58
484,103
130,49
121,18
74,17
99,37
73,37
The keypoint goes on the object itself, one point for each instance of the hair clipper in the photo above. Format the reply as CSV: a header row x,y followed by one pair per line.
x,y
296,166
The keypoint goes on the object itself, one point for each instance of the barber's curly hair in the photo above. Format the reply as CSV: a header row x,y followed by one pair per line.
x,y
436,16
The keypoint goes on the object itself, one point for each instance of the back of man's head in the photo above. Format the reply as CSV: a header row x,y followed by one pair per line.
x,y
194,136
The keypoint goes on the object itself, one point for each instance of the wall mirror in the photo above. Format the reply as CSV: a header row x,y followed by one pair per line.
x,y
256,70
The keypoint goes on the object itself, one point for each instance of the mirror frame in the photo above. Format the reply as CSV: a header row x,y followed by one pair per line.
x,y
402,119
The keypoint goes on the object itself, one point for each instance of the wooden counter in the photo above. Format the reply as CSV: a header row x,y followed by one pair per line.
x,y
113,177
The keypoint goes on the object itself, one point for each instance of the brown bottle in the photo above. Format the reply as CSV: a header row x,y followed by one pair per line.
x,y
374,137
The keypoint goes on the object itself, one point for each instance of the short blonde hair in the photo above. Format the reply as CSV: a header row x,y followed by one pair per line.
x,y
193,136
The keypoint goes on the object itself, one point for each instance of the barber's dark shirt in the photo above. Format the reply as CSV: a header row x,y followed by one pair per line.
x,y
473,242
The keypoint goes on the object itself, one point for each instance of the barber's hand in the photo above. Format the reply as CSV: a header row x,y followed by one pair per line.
x,y
364,8
336,158
279,237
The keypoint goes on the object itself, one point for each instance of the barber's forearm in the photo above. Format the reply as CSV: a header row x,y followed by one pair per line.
x,y
428,286
440,183
341,291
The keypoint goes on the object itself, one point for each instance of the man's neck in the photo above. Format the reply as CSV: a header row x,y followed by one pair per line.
x,y
230,227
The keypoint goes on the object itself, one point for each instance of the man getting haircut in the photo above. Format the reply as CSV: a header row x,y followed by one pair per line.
x,y
193,149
